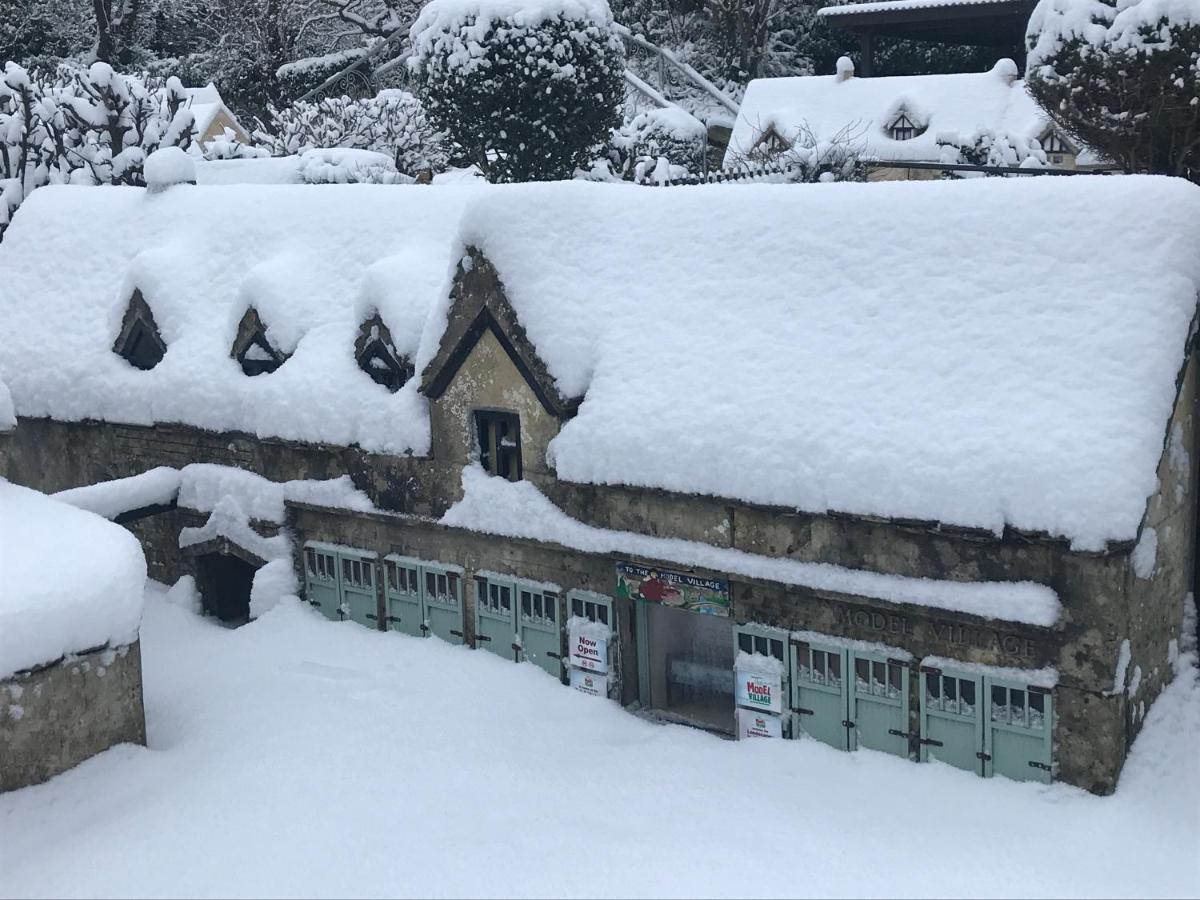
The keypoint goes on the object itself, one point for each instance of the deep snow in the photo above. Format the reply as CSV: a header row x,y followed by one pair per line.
x,y
300,757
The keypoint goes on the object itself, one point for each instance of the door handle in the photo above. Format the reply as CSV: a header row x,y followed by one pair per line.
x,y
801,711
516,648
983,756
1038,765
846,723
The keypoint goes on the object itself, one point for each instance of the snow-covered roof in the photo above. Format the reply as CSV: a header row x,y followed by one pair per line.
x,y
313,261
976,353
206,104
981,353
863,110
47,609
849,9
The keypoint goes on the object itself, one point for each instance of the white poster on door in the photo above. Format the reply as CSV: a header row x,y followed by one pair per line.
x,y
759,691
589,683
589,652
756,724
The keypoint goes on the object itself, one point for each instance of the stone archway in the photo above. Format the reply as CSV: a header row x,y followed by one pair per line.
x,y
224,582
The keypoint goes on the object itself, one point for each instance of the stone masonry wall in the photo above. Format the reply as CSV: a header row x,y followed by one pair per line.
x,y
55,718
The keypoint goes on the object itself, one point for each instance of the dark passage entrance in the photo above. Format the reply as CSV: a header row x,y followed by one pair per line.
x,y
224,583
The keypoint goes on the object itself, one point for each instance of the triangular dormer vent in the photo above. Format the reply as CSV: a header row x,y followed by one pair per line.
x,y
377,356
253,352
904,127
139,341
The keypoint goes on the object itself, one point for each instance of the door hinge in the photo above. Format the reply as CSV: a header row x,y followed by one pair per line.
x,y
1038,765
373,618
393,620
457,633
847,723
516,648
478,637
984,756
898,733
930,742
425,627
801,711
554,655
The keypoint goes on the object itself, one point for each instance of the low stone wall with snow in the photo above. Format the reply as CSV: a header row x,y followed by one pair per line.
x,y
55,717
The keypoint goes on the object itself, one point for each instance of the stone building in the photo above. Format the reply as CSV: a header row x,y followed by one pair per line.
x,y
70,661
903,122
904,468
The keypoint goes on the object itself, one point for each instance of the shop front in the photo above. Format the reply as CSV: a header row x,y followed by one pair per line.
x,y
685,644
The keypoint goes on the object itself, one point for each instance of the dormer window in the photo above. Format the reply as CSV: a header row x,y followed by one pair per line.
x,y
139,341
771,143
903,128
499,436
1052,142
251,348
377,356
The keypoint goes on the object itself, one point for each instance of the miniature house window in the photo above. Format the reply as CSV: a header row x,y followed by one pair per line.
x,y
1052,142
377,356
139,341
903,128
499,436
771,143
251,348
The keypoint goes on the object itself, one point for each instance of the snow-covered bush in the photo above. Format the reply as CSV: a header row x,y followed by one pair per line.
x,y
342,165
1122,77
227,146
525,89
636,147
302,75
806,158
91,126
393,123
986,148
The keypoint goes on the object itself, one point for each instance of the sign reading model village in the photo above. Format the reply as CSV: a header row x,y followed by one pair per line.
x,y
677,589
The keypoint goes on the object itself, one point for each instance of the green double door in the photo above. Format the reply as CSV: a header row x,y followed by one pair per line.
x,y
424,598
850,698
519,621
340,582
986,725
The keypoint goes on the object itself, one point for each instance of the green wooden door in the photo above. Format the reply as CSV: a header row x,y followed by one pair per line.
x,y
951,724
819,702
321,580
879,703
442,601
359,600
495,617
539,635
402,591
1017,735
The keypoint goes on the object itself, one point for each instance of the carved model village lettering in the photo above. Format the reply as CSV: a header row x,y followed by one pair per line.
x,y
940,630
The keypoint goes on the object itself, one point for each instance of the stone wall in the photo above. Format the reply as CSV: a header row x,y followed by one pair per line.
x,y
54,718
1157,587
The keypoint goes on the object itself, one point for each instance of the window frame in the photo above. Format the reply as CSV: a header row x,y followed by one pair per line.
x,y
486,422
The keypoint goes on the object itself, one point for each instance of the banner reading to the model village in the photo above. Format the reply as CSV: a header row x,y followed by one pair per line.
x,y
677,589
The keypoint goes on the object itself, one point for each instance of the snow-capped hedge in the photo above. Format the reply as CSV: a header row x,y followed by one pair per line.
x,y
524,88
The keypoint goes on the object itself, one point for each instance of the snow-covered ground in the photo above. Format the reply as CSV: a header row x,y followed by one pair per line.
x,y
299,757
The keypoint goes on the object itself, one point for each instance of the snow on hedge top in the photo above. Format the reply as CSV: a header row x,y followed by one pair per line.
x,y
977,353
863,110
305,257
462,26
848,9
1132,24
47,609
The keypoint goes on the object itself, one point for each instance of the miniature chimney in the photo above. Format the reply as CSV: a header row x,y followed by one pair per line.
x,y
845,68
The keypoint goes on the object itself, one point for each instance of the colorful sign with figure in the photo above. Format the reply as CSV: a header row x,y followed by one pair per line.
x,y
589,683
759,691
590,653
756,724
677,589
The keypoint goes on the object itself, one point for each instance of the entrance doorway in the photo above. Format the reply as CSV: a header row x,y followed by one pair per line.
x,y
224,582
686,663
